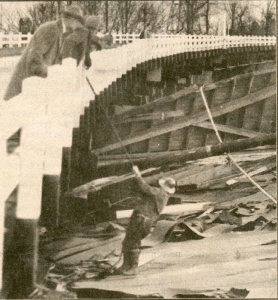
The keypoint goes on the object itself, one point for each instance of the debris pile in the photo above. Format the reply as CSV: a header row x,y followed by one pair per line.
x,y
91,252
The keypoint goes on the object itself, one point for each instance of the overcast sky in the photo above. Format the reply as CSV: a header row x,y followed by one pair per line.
x,y
8,7
14,5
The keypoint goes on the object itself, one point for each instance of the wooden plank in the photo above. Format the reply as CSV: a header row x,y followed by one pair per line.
x,y
143,145
208,176
221,95
177,174
268,120
235,262
177,209
163,115
201,152
235,118
160,143
266,65
195,136
74,176
148,107
230,129
178,137
135,155
202,116
102,247
177,95
252,117
97,184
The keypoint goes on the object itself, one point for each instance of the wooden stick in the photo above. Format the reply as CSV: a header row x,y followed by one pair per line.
x,y
251,179
100,183
231,129
201,152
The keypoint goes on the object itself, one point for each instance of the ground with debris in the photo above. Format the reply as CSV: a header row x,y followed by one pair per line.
x,y
218,242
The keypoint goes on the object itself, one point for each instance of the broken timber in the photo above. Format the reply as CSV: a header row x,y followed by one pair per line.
x,y
197,153
184,156
199,117
220,110
98,184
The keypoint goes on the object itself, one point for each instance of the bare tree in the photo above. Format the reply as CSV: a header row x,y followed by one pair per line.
x,y
10,19
42,12
193,8
237,12
269,17
207,16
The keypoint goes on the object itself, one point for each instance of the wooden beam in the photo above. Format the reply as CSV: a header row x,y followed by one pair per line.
x,y
144,155
189,90
150,155
230,129
184,209
152,116
196,118
202,152
100,183
150,106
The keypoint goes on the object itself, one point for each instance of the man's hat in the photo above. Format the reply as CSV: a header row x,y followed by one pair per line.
x,y
168,184
73,12
92,22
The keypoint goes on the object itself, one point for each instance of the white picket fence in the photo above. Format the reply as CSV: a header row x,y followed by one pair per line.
x,y
14,40
110,64
48,109
21,40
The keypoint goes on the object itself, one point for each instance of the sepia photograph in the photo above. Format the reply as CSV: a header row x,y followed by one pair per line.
x,y
139,149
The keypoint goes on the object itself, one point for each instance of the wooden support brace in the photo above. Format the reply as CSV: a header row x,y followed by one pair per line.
x,y
230,129
163,158
200,117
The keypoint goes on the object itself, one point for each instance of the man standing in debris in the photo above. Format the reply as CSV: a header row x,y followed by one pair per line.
x,y
45,49
152,202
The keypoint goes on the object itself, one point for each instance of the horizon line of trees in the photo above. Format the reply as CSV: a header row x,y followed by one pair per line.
x,y
183,16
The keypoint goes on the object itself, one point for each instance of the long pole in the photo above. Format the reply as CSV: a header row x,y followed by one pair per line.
x,y
106,16
194,154
126,16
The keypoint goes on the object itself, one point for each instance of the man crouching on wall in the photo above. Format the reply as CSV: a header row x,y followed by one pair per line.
x,y
152,202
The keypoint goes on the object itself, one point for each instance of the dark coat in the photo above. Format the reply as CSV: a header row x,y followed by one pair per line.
x,y
94,43
49,46
75,46
152,200
146,212
42,51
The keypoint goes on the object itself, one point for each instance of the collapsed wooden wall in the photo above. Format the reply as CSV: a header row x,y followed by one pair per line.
x,y
177,98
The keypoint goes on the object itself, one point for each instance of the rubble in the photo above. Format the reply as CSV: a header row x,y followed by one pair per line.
x,y
217,230
90,254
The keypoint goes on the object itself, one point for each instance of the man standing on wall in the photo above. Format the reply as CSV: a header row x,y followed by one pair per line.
x,y
152,202
46,49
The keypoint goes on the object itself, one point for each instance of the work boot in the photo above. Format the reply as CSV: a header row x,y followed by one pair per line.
x,y
126,264
134,259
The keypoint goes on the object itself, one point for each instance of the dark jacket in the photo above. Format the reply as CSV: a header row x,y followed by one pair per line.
x,y
49,46
152,200
42,51
75,46
96,43
151,203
